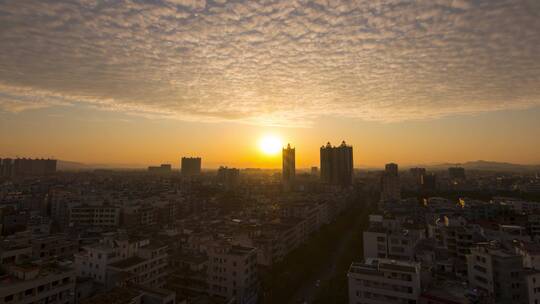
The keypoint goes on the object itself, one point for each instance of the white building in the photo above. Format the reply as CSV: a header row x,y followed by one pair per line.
x,y
139,260
378,281
232,273
148,267
388,238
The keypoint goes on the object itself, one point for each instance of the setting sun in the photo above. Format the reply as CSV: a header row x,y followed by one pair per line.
x,y
270,145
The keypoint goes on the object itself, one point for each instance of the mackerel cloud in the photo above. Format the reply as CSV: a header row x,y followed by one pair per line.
x,y
271,62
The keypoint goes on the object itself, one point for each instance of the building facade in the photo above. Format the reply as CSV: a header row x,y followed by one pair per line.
x,y
384,281
30,283
390,185
337,164
190,166
288,166
232,273
496,273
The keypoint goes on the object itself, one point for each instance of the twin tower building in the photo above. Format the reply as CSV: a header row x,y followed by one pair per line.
x,y
336,165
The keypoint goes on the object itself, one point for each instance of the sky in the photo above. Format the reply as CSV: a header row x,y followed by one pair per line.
x,y
145,82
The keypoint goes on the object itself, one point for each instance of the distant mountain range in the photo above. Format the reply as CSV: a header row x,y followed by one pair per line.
x,y
482,165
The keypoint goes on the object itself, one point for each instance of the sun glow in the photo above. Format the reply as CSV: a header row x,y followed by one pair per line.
x,y
270,145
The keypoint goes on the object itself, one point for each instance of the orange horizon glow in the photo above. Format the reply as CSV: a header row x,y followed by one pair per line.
x,y
116,141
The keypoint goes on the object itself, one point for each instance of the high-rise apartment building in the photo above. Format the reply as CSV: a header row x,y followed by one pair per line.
x,y
6,167
337,164
390,186
26,167
429,182
229,177
417,174
190,166
289,166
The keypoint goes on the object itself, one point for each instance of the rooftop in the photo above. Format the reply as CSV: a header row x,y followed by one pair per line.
x,y
40,272
127,263
117,295
376,266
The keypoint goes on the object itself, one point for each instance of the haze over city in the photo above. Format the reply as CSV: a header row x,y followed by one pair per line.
x,y
143,82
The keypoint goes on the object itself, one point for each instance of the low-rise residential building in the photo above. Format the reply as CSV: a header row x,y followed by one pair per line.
x,y
518,205
31,283
384,281
496,273
457,236
530,253
119,259
13,252
314,214
391,239
147,267
53,246
99,215
139,215
232,273
532,285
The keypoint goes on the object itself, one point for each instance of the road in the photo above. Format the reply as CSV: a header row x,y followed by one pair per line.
x,y
327,271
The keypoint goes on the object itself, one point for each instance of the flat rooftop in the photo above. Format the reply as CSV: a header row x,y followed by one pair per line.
x,y
374,266
127,263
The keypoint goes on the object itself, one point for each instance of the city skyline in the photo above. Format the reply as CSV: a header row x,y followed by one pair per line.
x,y
266,160
491,141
